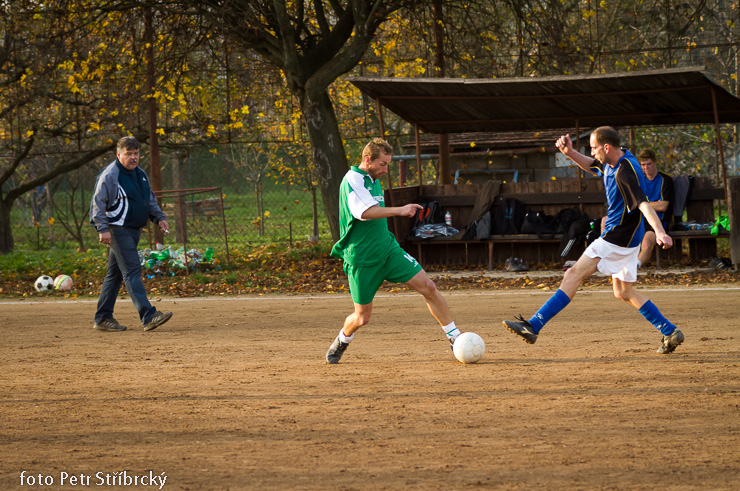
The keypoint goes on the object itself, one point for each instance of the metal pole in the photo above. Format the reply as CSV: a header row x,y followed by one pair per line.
x,y
719,142
183,235
223,218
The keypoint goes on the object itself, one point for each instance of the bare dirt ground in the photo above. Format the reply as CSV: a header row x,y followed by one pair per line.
x,y
235,394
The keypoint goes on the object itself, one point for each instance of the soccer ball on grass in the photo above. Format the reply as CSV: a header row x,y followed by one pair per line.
x,y
469,347
63,283
44,284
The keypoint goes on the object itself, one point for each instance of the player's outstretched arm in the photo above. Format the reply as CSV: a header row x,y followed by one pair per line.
x,y
661,237
565,145
408,210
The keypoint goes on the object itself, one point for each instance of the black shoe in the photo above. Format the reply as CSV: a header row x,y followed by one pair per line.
x,y
110,325
515,265
671,342
336,350
158,319
522,328
720,263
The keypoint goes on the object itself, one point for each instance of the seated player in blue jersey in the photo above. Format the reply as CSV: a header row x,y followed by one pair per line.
x,y
616,251
659,190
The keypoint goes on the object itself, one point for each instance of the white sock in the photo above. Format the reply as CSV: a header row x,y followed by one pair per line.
x,y
451,331
345,339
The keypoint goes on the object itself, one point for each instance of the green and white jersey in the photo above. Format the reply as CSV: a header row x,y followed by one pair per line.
x,y
361,242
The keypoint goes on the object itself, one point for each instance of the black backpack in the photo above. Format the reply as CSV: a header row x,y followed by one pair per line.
x,y
577,233
595,231
565,218
537,222
430,213
508,217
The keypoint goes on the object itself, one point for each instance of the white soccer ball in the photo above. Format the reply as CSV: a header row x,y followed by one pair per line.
x,y
63,283
44,284
469,347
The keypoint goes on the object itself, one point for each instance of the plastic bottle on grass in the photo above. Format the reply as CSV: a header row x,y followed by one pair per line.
x,y
209,254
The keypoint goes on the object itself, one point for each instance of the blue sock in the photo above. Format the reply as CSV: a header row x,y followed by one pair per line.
x,y
552,307
653,316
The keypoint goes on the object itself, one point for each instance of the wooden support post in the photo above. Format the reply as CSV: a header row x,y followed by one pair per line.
x,y
418,155
580,171
445,174
394,220
723,174
733,209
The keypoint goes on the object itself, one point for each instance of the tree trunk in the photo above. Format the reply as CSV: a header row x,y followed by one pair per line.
x,y
6,234
328,152
315,210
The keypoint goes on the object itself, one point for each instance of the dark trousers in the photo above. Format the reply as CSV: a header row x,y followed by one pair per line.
x,y
123,267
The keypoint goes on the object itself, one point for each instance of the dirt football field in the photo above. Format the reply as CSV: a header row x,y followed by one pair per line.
x,y
234,393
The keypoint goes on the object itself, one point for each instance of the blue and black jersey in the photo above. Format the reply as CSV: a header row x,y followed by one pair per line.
x,y
123,198
624,184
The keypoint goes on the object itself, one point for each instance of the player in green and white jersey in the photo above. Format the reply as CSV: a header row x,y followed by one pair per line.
x,y
370,252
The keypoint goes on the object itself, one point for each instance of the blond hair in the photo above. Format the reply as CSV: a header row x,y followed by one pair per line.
x,y
375,148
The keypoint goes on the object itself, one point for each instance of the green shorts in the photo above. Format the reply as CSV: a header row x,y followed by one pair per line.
x,y
364,281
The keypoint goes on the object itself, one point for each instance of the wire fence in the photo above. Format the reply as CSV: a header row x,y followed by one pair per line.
x,y
264,201
268,191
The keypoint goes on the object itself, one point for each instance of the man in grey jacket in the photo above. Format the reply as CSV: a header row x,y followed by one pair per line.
x,y
121,205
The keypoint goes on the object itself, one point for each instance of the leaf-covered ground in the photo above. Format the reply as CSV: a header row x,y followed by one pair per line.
x,y
302,269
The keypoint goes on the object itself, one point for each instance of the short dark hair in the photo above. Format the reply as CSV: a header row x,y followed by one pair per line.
x,y
607,134
647,154
128,143
375,148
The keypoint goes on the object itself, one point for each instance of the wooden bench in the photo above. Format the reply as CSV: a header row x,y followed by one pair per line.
x,y
530,247
469,256
549,197
700,209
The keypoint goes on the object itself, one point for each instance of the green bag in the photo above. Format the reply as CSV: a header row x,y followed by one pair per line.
x,y
723,221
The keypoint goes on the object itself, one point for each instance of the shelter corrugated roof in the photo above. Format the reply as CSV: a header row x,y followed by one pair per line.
x,y
644,98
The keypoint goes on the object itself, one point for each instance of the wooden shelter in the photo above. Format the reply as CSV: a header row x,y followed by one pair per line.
x,y
644,98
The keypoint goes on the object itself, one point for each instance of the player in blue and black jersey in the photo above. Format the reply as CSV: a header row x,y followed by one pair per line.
x,y
616,252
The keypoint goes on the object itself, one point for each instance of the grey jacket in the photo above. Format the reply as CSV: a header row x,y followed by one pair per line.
x,y
123,198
